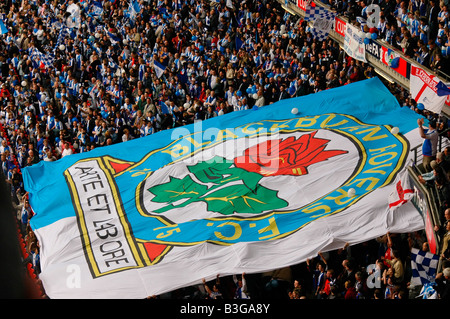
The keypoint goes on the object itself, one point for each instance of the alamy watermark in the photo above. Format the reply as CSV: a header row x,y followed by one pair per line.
x,y
73,279
374,276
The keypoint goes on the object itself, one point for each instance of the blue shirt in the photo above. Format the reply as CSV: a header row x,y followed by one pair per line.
x,y
429,147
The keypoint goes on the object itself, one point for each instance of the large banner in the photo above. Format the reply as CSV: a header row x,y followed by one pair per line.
x,y
248,191
424,89
354,43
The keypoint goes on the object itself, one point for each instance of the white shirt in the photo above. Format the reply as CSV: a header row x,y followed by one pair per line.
x,y
67,151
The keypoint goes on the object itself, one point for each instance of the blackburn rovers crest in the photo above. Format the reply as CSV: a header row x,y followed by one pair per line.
x,y
258,182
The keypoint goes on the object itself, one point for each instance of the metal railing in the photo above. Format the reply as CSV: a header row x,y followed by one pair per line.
x,y
443,142
426,201
432,194
443,75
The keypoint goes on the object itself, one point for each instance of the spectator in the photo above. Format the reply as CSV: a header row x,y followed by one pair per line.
x,y
350,290
330,281
318,271
298,292
25,215
397,266
429,148
347,274
442,228
432,14
241,287
215,292
67,150
445,248
388,283
443,284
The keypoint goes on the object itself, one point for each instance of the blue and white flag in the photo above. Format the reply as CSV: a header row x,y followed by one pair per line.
x,y
46,59
354,43
442,89
112,64
134,9
164,108
428,291
112,37
63,33
322,20
74,20
3,28
238,42
362,22
423,267
182,76
159,68
248,191
97,8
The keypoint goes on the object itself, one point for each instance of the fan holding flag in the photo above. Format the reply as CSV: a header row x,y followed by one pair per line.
x,y
159,68
134,9
112,37
73,16
322,21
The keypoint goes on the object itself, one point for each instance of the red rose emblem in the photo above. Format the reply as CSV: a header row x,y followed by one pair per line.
x,y
286,157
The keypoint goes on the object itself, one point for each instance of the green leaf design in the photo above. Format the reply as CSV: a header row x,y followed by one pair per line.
x,y
175,190
231,190
220,171
239,199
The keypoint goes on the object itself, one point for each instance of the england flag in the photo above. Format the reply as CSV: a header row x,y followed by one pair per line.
x,y
403,191
428,89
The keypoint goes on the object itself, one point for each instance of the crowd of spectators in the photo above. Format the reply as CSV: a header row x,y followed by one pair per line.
x,y
375,269
72,81
418,28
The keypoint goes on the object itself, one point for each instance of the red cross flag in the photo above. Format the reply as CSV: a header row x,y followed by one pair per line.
x,y
402,192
